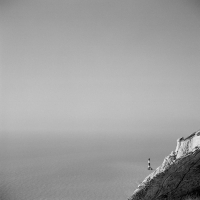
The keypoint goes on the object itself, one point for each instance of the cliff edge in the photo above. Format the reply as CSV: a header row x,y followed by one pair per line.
x,y
178,176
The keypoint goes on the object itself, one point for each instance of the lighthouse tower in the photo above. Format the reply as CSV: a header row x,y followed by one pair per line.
x,y
149,165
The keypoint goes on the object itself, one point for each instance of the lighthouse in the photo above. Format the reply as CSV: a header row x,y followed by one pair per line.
x,y
149,165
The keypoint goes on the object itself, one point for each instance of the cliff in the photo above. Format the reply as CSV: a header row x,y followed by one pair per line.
x,y
178,175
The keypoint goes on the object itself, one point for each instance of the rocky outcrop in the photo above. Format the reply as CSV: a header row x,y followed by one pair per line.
x,y
178,175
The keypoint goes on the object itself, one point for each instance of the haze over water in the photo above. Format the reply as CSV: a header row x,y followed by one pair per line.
x,y
90,89
71,168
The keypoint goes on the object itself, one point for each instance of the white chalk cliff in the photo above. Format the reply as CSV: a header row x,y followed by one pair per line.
x,y
178,176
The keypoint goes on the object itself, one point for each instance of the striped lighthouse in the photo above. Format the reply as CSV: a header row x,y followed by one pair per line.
x,y
149,165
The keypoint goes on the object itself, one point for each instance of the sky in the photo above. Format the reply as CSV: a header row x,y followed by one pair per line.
x,y
100,67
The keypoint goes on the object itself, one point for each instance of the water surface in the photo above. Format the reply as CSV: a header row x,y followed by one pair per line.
x,y
72,168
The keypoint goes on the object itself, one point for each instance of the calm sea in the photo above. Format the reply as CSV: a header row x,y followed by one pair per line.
x,y
70,168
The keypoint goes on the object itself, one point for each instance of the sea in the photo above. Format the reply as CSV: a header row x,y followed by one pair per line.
x,y
67,167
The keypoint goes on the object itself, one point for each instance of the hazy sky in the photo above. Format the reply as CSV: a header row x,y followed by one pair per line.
x,y
100,66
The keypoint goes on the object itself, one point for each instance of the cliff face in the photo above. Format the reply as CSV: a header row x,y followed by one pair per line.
x,y
186,145
178,175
